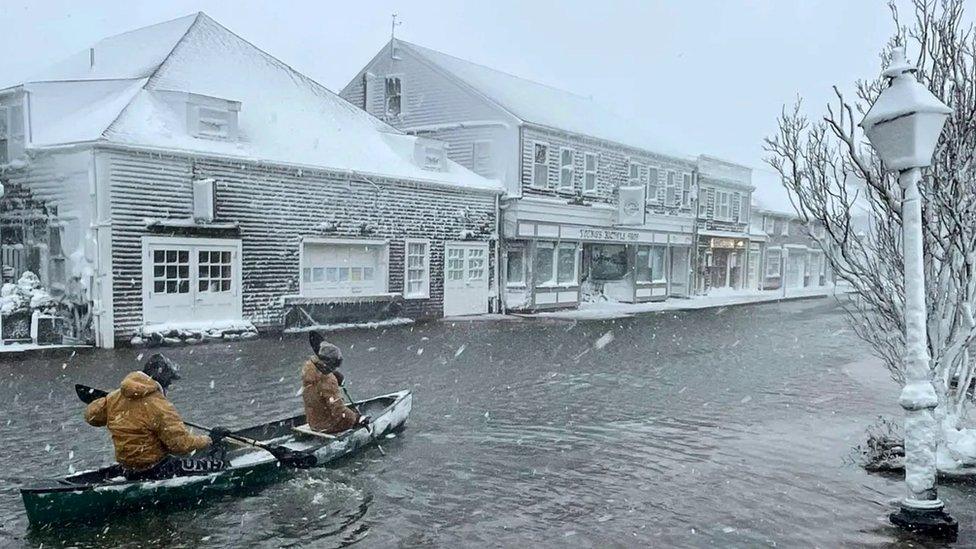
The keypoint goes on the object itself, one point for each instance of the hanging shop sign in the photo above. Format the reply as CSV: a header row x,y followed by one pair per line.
x,y
630,208
727,243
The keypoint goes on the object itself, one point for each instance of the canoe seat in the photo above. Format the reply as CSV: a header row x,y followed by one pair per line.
x,y
307,431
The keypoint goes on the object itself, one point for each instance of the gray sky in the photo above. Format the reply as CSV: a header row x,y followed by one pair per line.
x,y
710,75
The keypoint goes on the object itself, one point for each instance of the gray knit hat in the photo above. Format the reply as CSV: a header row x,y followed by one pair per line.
x,y
329,354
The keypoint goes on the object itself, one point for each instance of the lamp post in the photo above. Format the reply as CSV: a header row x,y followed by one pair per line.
x,y
903,126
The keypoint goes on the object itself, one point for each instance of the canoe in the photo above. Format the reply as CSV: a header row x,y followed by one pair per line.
x,y
101,492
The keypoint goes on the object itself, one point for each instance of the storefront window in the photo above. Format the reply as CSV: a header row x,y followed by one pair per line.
x,y
516,267
566,267
608,261
544,255
650,264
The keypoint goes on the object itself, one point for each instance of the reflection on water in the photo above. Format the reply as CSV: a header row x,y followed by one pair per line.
x,y
710,428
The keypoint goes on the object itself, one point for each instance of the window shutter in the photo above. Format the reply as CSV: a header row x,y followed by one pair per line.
x,y
375,95
203,200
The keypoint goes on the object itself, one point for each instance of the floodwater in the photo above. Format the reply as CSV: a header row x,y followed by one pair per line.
x,y
725,428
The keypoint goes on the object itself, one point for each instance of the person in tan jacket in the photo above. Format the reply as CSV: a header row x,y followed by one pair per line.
x,y
146,429
325,411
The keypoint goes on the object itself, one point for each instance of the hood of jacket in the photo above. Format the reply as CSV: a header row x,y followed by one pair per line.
x,y
138,385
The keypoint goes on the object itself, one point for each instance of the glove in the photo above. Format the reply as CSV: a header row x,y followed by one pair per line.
x,y
339,377
217,434
364,421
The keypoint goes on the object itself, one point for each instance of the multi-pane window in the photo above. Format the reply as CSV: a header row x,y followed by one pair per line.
x,y
540,165
769,224
686,189
634,173
417,279
671,193
773,263
566,264
476,264
566,169
545,253
722,211
392,96
784,226
213,271
515,267
650,264
171,271
343,269
589,172
652,184
455,264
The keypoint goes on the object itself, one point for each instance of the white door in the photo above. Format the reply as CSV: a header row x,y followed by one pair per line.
x,y
189,280
465,279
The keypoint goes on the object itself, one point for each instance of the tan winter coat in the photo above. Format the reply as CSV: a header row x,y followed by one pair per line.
x,y
145,426
324,407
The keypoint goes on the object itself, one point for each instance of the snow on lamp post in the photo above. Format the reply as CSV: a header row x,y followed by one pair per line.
x,y
903,126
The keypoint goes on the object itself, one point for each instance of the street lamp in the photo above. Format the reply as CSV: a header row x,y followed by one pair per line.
x,y
903,126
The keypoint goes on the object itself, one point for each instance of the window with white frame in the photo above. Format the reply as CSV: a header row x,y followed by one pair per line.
x,y
650,264
702,203
769,224
566,263
652,184
481,158
774,258
633,173
540,165
515,267
566,169
784,226
545,258
416,279
393,96
332,269
590,163
722,211
686,189
12,136
671,190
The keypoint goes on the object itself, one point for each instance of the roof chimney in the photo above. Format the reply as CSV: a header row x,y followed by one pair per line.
x,y
91,58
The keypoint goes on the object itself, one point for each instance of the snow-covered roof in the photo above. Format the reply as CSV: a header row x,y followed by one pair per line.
x,y
545,105
770,194
125,98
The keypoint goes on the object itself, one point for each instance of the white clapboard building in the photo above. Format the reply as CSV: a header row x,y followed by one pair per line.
x,y
593,205
190,181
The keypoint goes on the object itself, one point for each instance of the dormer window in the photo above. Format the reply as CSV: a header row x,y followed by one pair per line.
x,y
433,158
214,123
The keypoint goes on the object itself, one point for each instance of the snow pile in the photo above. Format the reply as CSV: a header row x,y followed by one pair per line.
x,y
189,333
26,294
349,326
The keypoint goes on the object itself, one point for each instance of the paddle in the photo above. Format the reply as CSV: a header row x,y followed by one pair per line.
x,y
372,434
285,456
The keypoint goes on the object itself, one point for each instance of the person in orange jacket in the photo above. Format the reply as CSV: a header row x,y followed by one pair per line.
x,y
325,411
146,429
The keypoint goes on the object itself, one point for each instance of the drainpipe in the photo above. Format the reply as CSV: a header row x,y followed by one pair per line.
x,y
498,256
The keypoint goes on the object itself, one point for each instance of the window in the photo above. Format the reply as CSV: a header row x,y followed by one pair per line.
x,y
455,263
416,280
540,165
544,260
343,268
671,193
566,264
566,169
481,158
171,271
650,264
702,203
686,189
12,138
515,267
608,261
722,212
769,224
214,271
744,209
773,263
784,226
634,173
589,172
392,96
476,264
652,184
434,158
735,207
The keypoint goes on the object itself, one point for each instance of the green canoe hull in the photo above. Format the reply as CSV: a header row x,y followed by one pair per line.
x,y
87,495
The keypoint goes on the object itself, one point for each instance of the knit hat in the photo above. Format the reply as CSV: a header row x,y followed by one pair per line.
x,y
329,355
162,370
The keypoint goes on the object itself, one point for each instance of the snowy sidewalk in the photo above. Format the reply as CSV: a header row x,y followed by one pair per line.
x,y
609,310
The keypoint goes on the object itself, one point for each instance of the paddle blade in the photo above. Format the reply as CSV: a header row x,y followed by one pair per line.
x,y
292,458
89,394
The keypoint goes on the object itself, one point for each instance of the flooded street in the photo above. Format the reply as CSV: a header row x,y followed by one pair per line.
x,y
725,427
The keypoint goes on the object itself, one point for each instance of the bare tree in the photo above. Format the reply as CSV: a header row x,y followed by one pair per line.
x,y
833,176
